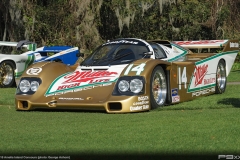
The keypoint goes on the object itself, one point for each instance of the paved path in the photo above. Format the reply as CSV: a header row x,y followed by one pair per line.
x,y
233,83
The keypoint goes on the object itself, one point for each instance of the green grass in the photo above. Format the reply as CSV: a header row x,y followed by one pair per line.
x,y
206,125
234,76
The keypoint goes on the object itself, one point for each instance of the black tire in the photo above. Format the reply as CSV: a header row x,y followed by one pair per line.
x,y
7,74
221,78
158,88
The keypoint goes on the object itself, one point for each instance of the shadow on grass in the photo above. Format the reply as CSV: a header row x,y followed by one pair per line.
x,y
237,70
78,111
235,102
65,110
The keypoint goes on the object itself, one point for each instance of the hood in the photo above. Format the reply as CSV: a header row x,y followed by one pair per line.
x,y
94,81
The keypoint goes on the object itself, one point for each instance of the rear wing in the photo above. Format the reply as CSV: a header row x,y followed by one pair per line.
x,y
210,46
31,46
162,42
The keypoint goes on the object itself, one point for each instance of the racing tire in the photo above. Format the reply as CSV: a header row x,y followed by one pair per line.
x,y
158,88
221,78
7,78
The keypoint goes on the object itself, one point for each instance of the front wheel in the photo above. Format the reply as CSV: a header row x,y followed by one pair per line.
x,y
158,88
221,78
7,74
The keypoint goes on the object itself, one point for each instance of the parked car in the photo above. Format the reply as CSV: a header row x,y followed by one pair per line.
x,y
12,66
129,75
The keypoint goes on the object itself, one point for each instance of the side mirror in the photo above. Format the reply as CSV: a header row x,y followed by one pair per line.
x,y
31,46
80,55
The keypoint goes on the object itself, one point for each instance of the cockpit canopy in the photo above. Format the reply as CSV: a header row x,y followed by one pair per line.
x,y
123,51
117,52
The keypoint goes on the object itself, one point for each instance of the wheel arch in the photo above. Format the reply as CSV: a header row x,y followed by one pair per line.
x,y
10,61
12,82
225,65
167,74
166,66
220,89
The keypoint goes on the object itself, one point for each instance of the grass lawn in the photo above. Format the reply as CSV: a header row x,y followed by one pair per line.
x,y
208,125
234,76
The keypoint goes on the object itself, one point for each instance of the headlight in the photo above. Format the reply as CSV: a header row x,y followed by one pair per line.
x,y
136,85
34,86
24,86
123,85
129,86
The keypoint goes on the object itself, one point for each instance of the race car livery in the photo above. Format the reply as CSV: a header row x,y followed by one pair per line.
x,y
129,75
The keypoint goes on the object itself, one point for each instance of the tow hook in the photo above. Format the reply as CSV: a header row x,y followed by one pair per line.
x,y
52,103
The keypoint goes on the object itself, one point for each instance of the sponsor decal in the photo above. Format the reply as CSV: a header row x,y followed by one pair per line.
x,y
175,96
34,71
37,56
234,45
203,92
200,73
209,81
62,98
137,108
77,78
176,99
143,98
140,103
89,76
122,41
83,88
174,92
198,42
83,80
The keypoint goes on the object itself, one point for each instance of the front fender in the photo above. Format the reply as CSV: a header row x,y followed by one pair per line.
x,y
47,72
143,67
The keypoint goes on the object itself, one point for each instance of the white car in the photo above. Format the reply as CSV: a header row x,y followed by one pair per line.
x,y
13,66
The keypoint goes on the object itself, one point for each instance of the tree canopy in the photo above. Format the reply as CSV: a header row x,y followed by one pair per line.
x,y
87,23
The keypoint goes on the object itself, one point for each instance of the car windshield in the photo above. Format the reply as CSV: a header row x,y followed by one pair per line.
x,y
114,54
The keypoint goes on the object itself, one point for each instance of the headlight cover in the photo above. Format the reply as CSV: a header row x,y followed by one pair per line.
x,y
34,86
28,85
129,86
136,85
123,85
24,86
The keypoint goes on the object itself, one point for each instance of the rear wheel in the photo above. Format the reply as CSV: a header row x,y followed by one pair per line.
x,y
158,88
7,74
221,78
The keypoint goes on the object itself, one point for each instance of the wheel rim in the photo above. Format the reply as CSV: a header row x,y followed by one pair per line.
x,y
221,76
159,89
7,75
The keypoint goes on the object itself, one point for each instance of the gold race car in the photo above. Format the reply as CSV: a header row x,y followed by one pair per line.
x,y
130,75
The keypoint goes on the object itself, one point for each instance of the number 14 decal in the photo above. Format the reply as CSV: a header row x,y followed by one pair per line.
x,y
182,77
138,69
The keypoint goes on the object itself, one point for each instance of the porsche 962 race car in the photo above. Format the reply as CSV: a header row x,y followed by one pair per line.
x,y
129,75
